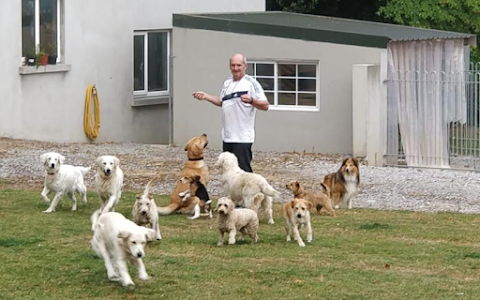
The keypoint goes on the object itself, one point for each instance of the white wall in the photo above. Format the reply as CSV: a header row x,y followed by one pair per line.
x,y
99,48
327,131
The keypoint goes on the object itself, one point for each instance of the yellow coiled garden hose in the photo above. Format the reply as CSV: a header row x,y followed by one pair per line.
x,y
91,130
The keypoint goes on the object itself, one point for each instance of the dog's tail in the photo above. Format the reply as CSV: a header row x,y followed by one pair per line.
x,y
84,170
149,186
94,218
268,190
167,209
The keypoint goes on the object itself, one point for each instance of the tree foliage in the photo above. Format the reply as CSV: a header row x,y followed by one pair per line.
x,y
353,9
451,15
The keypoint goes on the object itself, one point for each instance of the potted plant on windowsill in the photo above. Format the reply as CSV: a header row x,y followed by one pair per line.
x,y
41,58
52,53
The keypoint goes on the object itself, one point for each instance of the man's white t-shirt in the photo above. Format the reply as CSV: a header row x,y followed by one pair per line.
x,y
238,117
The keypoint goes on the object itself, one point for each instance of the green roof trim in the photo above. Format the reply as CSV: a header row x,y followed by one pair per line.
x,y
313,28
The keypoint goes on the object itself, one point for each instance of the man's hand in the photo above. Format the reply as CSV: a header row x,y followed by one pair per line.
x,y
200,95
246,99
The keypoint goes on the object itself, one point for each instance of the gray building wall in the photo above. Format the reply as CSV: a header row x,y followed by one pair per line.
x,y
98,40
201,63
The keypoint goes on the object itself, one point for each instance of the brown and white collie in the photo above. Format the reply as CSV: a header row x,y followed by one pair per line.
x,y
344,183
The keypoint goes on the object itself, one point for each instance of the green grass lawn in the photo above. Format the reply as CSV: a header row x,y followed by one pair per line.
x,y
360,254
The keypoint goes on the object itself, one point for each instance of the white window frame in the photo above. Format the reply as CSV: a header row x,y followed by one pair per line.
x,y
37,28
145,93
276,77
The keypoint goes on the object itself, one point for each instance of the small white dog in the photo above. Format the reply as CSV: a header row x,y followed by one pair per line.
x,y
109,179
297,214
61,179
116,240
232,220
144,210
249,190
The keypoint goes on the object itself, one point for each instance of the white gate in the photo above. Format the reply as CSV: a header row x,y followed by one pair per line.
x,y
433,118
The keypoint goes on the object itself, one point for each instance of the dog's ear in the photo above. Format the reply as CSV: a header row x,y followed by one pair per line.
x,y
326,188
344,161
61,158
355,161
44,157
116,161
149,234
99,161
309,205
297,184
196,178
123,234
292,203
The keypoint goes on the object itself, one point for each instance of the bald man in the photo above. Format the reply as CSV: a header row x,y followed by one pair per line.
x,y
239,99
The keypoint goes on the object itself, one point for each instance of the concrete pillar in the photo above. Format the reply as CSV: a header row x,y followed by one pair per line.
x,y
369,114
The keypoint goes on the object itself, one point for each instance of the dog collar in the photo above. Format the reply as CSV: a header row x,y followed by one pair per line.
x,y
193,159
51,173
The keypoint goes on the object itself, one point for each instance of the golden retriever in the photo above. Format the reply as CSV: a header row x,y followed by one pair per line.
x,y
246,189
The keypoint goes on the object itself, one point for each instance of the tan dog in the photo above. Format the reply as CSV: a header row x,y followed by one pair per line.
x,y
319,199
144,211
296,214
344,183
195,166
231,220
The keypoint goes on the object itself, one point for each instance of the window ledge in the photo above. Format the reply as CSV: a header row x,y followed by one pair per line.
x,y
150,100
294,108
28,70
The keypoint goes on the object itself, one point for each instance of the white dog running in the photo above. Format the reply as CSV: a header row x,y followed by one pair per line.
x,y
61,179
109,179
247,189
144,210
116,240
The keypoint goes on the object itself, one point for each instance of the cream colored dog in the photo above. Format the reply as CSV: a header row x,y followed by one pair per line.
x,y
232,220
297,214
109,179
144,211
62,179
116,240
249,190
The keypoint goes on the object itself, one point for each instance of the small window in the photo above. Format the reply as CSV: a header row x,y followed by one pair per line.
x,y
41,27
151,63
288,84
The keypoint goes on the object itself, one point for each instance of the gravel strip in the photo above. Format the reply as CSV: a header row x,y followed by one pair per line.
x,y
381,188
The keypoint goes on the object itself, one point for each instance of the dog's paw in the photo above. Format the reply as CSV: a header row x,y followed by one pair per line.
x,y
74,208
113,277
288,239
144,277
301,244
271,221
219,244
129,285
181,194
337,206
309,241
48,211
